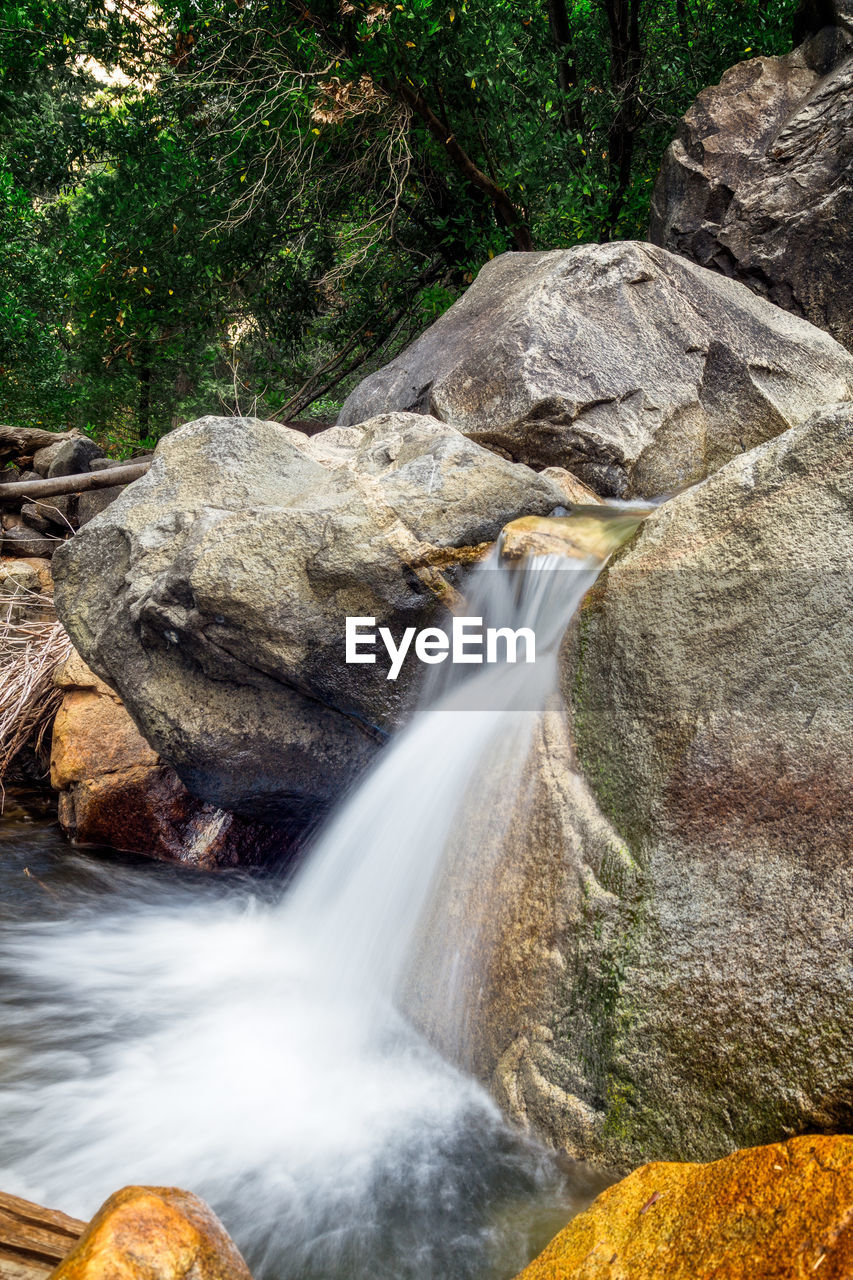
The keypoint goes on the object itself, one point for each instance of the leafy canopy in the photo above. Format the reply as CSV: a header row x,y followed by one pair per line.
x,y
230,204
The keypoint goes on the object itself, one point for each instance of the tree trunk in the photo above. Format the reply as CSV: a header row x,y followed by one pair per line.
x,y
23,442
567,73
144,375
626,60
504,209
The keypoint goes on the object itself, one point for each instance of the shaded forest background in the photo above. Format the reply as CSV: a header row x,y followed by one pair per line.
x,y
234,206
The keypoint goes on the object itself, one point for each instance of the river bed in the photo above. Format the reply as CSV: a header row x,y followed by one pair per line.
x,y
160,1026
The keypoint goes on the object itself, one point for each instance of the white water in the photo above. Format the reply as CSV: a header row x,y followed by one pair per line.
x,y
363,913
256,1052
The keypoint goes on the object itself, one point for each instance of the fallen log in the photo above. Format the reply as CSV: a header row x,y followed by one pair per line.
x,y
81,483
23,442
33,1240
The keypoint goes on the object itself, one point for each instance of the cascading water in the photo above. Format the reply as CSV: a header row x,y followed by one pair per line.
x,y
262,1052
364,913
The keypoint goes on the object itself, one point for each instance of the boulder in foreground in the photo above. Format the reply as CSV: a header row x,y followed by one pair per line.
x,y
627,365
780,1212
154,1233
692,910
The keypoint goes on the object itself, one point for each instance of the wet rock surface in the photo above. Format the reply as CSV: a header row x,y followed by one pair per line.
x,y
114,790
628,365
159,1233
770,1213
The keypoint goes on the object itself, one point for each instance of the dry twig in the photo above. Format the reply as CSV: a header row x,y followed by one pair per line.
x,y
33,645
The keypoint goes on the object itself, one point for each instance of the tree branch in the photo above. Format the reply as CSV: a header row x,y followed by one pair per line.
x,y
80,483
503,206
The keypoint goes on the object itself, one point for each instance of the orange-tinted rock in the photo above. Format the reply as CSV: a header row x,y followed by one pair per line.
x,y
580,536
779,1212
154,1233
115,790
94,735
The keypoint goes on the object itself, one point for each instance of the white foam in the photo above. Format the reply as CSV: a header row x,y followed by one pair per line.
x,y
253,1052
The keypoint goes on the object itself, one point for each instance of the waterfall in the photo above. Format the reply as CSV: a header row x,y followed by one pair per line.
x,y
366,915
277,1055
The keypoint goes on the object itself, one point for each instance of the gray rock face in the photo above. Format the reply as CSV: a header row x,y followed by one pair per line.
x,y
61,511
212,594
33,519
636,370
21,541
702,993
67,458
91,504
758,183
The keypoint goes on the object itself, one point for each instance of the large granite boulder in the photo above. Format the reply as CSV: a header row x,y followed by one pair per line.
x,y
758,183
212,595
629,366
771,1213
693,911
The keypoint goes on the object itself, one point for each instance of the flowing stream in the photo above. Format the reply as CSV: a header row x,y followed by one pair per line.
x,y
258,1043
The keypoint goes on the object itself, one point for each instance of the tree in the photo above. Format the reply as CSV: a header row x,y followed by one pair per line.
x,y
267,197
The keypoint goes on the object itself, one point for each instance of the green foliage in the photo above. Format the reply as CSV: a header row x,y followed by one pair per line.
x,y
244,205
32,345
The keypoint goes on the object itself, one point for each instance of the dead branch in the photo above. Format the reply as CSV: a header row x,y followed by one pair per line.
x,y
80,483
32,648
